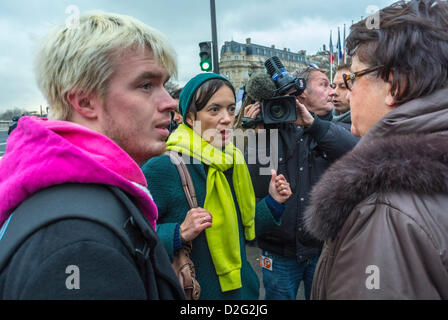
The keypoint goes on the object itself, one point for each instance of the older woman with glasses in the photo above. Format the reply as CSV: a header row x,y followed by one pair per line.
x,y
384,219
303,149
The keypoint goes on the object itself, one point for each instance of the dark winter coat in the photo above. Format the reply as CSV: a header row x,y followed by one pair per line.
x,y
382,210
165,186
344,120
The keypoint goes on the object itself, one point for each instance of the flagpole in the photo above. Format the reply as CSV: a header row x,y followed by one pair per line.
x,y
339,46
331,57
344,51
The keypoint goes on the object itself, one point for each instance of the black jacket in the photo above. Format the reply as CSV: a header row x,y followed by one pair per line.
x,y
38,269
303,156
42,266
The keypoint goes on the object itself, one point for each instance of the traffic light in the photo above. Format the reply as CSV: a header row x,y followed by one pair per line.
x,y
206,56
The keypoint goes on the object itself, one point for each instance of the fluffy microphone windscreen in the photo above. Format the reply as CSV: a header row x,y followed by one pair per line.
x,y
260,86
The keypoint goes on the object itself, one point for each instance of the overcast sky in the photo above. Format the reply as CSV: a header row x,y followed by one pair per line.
x,y
294,24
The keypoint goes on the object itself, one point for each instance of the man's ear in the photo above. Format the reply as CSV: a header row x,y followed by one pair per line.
x,y
302,97
85,104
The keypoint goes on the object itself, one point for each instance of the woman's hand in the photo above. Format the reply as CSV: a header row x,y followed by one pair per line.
x,y
279,188
196,221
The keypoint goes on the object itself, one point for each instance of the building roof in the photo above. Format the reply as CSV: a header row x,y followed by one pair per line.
x,y
258,50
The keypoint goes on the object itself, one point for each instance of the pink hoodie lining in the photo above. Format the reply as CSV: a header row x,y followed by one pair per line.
x,y
42,153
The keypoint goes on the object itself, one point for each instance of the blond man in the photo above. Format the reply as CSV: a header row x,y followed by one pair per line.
x,y
104,81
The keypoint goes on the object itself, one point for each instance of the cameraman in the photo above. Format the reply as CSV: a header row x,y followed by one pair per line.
x,y
305,149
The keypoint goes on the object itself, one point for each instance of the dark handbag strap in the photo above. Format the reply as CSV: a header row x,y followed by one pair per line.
x,y
185,178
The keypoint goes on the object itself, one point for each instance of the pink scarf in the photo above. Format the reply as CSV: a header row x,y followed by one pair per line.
x,y
41,153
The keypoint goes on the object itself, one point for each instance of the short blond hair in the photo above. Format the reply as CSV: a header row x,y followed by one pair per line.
x,y
81,56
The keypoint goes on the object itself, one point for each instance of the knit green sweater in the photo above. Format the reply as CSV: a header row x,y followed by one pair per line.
x,y
165,186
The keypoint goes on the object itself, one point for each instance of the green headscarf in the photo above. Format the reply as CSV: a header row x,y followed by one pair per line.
x,y
188,92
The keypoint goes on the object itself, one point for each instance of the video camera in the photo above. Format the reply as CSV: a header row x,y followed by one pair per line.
x,y
277,92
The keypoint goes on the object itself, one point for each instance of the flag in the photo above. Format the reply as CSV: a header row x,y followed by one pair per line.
x,y
331,49
339,47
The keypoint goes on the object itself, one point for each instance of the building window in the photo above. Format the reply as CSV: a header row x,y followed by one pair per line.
x,y
228,58
236,58
228,75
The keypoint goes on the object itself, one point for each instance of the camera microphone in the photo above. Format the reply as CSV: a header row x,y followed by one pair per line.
x,y
283,81
260,87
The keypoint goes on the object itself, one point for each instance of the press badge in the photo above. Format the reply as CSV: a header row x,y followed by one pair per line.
x,y
266,263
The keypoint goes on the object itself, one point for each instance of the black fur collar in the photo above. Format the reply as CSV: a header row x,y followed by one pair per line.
x,y
417,163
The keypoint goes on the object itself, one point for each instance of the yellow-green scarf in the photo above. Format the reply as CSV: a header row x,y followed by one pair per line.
x,y
223,236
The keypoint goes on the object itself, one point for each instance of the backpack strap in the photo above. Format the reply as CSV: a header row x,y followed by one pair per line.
x,y
115,211
68,201
185,178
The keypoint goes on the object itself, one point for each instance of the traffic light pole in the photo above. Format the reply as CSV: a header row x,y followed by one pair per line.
x,y
214,37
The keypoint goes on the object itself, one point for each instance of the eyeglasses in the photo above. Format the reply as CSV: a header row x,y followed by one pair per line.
x,y
349,79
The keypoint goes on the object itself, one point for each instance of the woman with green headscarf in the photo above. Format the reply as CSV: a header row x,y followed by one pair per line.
x,y
228,215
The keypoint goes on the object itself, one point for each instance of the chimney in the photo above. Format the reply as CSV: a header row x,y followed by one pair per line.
x,y
273,46
324,48
248,41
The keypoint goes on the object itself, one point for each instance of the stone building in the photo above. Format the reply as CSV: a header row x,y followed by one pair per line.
x,y
239,61
321,59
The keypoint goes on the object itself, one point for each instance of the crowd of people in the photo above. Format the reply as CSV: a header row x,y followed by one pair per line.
x,y
356,207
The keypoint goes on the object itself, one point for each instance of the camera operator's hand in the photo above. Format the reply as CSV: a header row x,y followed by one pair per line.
x,y
279,188
252,111
304,117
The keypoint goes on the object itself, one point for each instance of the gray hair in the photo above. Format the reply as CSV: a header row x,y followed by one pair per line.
x,y
305,73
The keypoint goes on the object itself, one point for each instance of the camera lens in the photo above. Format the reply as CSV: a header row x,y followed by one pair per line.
x,y
277,111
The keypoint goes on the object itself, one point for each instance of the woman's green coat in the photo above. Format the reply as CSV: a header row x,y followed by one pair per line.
x,y
165,187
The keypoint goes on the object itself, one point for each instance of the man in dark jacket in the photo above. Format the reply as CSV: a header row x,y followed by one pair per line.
x,y
104,81
303,151
13,124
